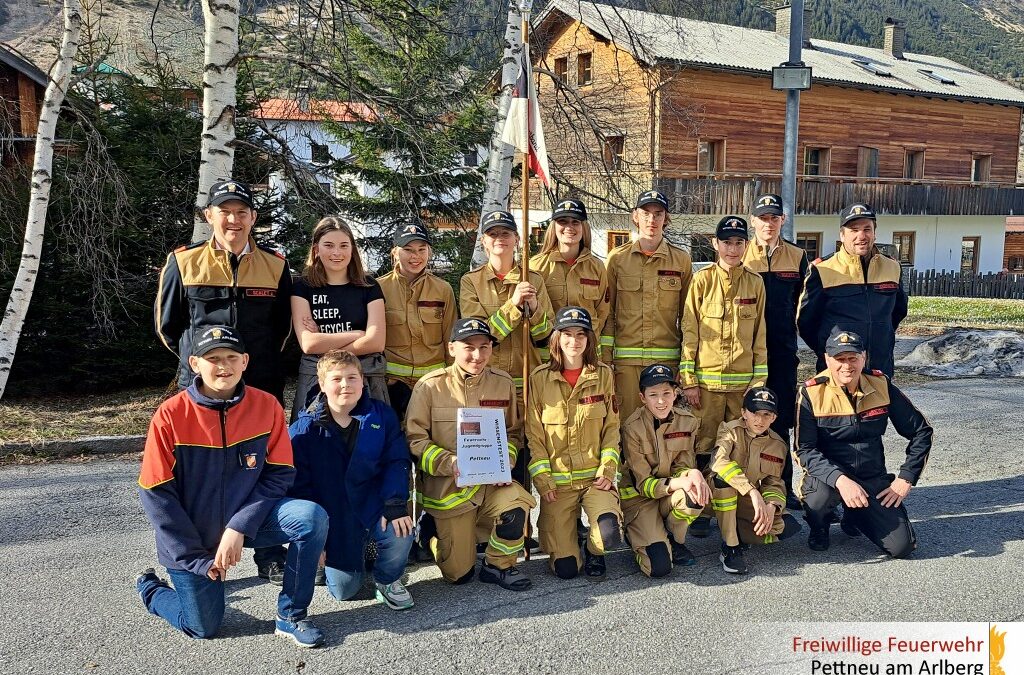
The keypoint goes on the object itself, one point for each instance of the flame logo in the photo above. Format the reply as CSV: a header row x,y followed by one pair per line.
x,y
996,650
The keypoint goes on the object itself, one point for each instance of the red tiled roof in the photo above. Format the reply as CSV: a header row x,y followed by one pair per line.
x,y
288,110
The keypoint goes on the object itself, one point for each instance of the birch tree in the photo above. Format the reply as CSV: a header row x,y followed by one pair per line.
x,y
220,77
42,178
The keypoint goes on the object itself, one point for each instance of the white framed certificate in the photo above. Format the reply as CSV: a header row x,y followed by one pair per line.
x,y
482,448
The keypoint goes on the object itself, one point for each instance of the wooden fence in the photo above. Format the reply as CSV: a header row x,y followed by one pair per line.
x,y
958,285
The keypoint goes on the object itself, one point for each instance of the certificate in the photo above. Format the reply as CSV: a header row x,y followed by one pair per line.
x,y
482,448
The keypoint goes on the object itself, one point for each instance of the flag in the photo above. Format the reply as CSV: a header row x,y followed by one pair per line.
x,y
523,115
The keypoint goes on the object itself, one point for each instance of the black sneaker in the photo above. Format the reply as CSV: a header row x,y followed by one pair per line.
x,y
792,503
272,572
818,539
510,579
682,555
321,576
732,560
700,527
594,567
481,550
533,546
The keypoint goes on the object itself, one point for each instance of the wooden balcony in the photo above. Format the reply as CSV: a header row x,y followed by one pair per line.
x,y
720,194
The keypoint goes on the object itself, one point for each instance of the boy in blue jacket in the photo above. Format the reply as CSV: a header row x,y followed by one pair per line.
x,y
352,459
215,471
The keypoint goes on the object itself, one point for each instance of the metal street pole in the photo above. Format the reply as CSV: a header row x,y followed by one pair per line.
x,y
796,41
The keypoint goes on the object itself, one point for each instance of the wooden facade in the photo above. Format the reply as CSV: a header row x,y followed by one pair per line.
x,y
714,138
22,87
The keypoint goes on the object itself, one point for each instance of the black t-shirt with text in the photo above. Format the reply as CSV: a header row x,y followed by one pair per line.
x,y
339,308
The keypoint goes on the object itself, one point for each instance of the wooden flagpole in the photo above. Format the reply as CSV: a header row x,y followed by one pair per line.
x,y
525,11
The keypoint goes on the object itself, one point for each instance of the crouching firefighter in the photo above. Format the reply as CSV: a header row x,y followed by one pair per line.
x,y
431,430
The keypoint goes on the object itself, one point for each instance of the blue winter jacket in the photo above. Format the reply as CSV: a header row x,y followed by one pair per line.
x,y
376,480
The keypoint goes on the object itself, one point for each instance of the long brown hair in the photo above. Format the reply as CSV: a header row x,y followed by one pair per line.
x,y
314,273
555,351
551,238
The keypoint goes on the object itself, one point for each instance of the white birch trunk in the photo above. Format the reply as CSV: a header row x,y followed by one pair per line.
x,y
220,76
39,198
500,154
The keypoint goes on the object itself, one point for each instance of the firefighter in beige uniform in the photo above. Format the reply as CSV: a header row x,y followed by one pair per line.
x,y
495,293
420,310
572,274
749,495
572,426
430,428
662,491
647,284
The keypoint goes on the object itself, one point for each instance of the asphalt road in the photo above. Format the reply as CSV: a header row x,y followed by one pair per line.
x,y
73,537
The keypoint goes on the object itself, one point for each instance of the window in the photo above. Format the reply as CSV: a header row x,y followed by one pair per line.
x,y
192,105
584,71
816,161
711,155
470,158
867,162
904,243
701,249
810,242
1016,264
938,77
913,164
613,147
537,235
617,238
562,69
981,168
969,249
873,68
319,153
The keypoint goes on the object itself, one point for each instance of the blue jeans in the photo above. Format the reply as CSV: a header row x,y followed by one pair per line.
x,y
195,605
392,554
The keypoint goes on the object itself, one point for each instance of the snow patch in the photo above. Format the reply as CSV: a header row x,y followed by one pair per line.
x,y
973,353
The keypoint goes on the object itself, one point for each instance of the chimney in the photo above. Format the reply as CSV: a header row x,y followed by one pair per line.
x,y
895,38
783,13
302,98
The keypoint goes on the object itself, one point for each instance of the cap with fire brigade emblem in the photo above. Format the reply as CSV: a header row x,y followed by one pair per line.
x,y
843,342
856,211
761,398
768,205
218,336
499,219
652,197
230,190
656,374
569,208
573,317
731,226
406,234
468,327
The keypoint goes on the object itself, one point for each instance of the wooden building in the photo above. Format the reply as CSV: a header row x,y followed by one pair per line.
x,y
633,99
22,86
1013,249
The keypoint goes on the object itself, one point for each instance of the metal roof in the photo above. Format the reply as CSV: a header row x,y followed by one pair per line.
x,y
654,38
22,65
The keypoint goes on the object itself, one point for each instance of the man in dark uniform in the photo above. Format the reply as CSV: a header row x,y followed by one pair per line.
x,y
229,280
843,414
782,267
857,289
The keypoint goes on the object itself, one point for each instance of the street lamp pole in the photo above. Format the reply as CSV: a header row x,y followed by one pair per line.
x,y
796,39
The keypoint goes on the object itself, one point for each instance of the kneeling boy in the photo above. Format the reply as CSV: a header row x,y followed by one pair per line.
x,y
661,489
352,459
430,427
215,471
748,463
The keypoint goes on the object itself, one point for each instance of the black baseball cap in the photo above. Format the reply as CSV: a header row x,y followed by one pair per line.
x,y
761,398
215,337
569,208
769,204
573,317
468,327
656,374
843,342
652,197
499,219
411,232
228,190
856,211
731,226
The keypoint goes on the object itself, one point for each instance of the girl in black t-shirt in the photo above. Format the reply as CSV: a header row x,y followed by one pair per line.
x,y
337,306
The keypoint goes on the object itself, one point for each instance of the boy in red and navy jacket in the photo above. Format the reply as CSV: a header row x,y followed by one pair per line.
x,y
215,471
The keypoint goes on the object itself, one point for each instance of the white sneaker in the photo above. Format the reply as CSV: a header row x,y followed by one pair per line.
x,y
394,595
